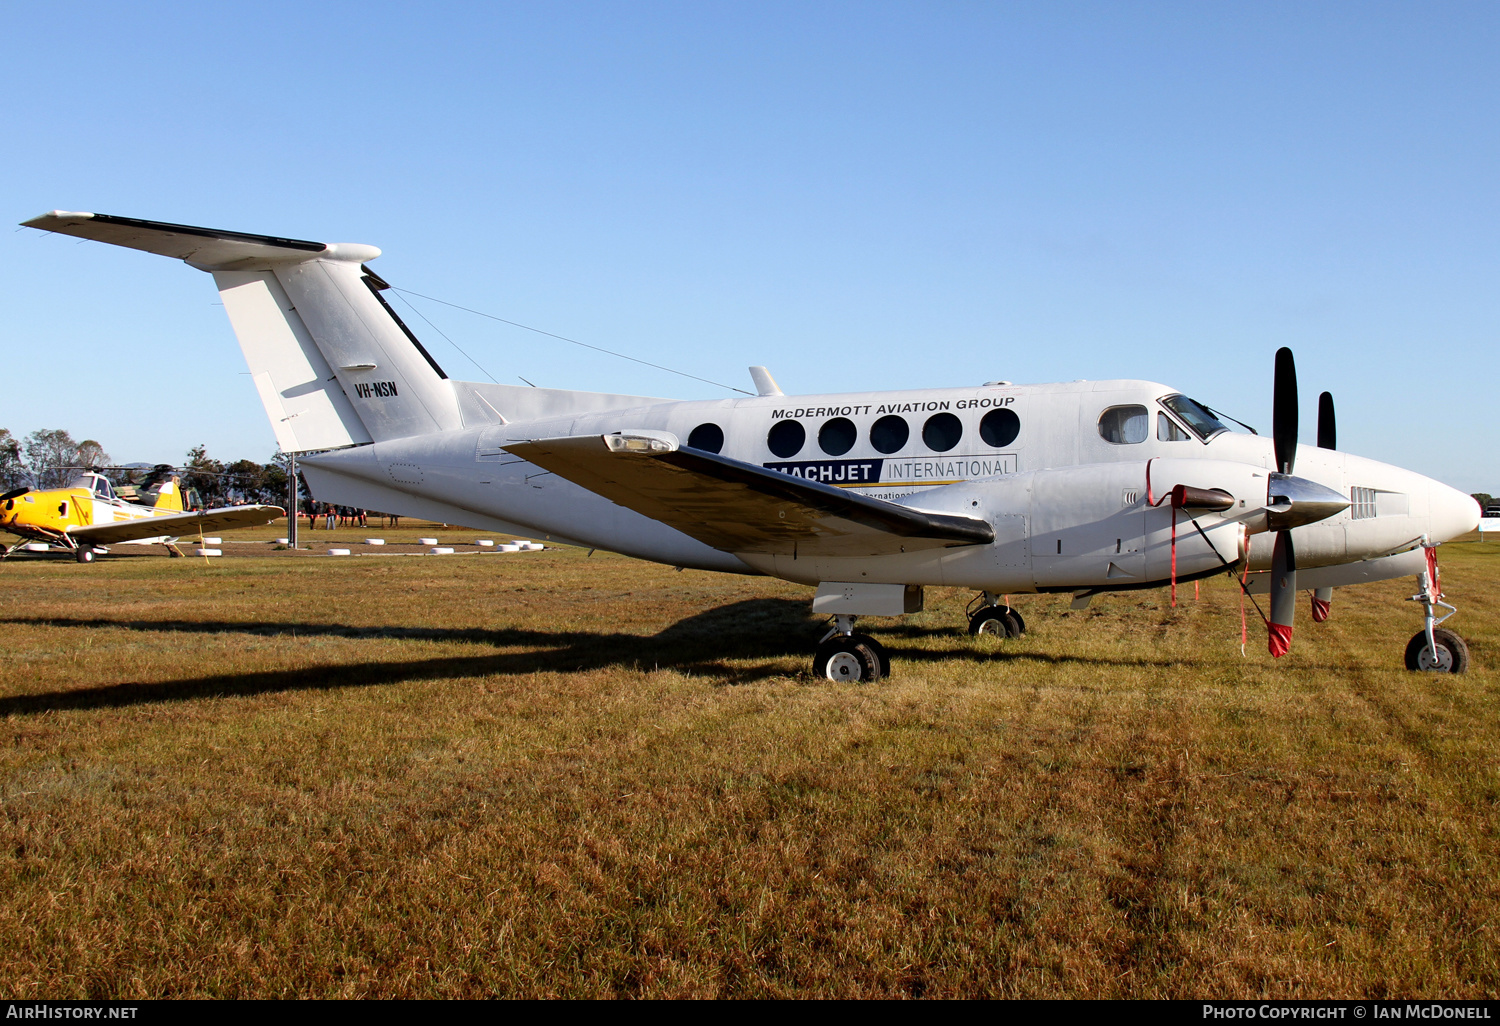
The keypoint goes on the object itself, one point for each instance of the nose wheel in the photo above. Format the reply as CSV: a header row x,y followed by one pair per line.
x,y
1445,653
1435,649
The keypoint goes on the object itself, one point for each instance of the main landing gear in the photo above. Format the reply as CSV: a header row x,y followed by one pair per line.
x,y
843,655
994,617
1433,649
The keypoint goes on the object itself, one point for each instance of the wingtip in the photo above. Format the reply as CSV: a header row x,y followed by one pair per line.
x,y
57,215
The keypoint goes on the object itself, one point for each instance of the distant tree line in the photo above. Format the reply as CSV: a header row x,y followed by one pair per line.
x,y
52,459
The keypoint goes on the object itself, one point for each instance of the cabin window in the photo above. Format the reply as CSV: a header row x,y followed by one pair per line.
x,y
888,434
1168,431
999,427
942,431
1124,425
786,437
837,436
707,437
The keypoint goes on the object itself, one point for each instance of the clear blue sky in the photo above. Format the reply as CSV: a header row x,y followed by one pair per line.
x,y
858,195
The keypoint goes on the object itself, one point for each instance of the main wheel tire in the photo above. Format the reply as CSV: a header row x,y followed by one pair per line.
x,y
997,621
882,658
848,659
84,554
1452,655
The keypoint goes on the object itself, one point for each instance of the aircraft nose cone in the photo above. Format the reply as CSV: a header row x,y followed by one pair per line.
x,y
1453,512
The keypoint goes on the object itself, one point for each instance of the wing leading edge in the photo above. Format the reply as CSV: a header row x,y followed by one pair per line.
x,y
204,247
739,507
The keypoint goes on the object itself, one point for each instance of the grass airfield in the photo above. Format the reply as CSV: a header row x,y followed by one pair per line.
x,y
553,775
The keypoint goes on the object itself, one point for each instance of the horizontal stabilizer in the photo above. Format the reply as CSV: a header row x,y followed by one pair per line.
x,y
202,247
177,524
739,507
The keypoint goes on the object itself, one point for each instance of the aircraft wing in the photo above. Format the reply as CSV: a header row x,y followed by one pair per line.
x,y
739,507
177,524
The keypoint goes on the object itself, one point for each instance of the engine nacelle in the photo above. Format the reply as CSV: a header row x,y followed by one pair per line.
x,y
1098,525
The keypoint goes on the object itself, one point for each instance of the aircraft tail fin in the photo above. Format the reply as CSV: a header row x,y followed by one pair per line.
x,y
169,495
333,364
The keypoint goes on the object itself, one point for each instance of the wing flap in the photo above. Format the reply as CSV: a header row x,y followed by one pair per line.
x,y
178,524
739,507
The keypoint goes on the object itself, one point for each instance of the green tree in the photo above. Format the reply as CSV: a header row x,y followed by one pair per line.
x,y
244,481
91,455
12,466
49,457
1483,498
205,475
273,484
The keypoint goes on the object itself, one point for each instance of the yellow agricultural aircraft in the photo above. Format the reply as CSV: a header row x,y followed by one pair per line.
x,y
87,515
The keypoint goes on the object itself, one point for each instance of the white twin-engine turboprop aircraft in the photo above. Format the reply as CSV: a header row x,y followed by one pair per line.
x,y
1084,487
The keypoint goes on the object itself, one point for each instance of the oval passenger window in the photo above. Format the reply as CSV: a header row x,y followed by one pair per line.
x,y
708,437
837,436
889,434
942,431
999,427
786,437
1124,425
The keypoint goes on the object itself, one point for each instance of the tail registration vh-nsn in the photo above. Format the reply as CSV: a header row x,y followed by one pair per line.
x,y
1083,487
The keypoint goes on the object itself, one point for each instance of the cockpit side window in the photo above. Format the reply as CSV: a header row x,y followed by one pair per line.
x,y
1195,415
102,488
1124,425
1168,431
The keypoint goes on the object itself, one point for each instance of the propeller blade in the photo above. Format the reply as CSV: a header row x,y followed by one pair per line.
x,y
1322,604
1283,594
1327,434
1284,411
14,493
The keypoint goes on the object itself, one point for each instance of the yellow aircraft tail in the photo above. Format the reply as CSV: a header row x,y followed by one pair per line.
x,y
169,495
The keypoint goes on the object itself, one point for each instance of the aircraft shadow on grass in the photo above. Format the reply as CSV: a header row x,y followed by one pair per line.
x,y
702,644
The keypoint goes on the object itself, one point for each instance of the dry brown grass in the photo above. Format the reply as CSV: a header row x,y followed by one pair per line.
x,y
553,775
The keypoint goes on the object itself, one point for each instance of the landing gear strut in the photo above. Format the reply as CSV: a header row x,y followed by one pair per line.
x,y
994,617
843,655
1433,649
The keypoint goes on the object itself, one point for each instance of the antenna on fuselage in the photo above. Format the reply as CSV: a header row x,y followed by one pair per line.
x,y
764,383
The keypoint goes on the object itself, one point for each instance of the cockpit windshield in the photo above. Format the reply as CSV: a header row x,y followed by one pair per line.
x,y
1195,415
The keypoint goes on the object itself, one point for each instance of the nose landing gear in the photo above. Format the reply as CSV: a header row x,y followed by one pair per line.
x,y
1432,649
